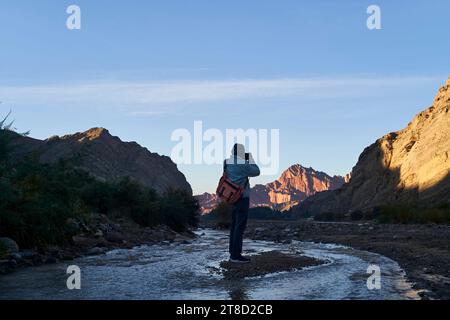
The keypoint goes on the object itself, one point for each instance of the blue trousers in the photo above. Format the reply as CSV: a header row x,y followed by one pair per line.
x,y
239,217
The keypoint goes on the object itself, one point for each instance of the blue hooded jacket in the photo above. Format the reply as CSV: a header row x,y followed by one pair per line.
x,y
240,171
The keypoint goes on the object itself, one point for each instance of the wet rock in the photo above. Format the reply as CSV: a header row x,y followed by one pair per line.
x,y
427,271
181,238
7,266
114,237
28,254
98,234
10,245
12,263
81,240
15,256
116,227
96,251
77,226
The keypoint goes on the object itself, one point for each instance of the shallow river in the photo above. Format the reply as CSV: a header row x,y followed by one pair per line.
x,y
188,271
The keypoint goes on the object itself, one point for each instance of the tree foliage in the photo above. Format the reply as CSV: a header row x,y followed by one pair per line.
x,y
37,200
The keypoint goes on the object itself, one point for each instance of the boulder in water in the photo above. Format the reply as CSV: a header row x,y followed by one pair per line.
x,y
10,245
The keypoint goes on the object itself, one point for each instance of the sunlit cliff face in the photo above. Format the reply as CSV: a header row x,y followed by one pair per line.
x,y
420,152
410,166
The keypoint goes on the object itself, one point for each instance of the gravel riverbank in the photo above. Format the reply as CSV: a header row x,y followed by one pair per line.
x,y
423,251
99,236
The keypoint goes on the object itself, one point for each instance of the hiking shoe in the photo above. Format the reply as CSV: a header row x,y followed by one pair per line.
x,y
239,259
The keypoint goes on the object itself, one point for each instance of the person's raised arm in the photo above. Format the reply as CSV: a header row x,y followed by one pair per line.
x,y
251,168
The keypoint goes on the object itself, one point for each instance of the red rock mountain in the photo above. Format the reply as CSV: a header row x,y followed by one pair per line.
x,y
207,202
294,185
106,157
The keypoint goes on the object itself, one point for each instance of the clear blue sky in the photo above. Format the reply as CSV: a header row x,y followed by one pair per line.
x,y
145,68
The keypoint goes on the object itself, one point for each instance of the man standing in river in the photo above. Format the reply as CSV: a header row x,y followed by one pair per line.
x,y
239,167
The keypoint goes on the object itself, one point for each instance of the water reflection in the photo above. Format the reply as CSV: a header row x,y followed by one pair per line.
x,y
238,291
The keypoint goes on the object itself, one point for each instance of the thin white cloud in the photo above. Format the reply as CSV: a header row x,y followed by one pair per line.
x,y
146,113
149,94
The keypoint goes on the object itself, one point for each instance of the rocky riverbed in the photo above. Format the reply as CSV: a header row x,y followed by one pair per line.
x,y
198,269
98,236
423,251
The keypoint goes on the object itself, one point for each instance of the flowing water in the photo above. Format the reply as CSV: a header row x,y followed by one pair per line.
x,y
189,271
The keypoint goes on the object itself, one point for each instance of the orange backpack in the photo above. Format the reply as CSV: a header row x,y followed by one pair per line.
x,y
227,190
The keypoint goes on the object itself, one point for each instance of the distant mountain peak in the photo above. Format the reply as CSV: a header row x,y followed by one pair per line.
x,y
295,184
298,169
90,134
95,133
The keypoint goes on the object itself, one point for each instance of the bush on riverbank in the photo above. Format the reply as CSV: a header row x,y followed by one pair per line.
x,y
220,216
412,214
177,209
37,200
401,214
329,216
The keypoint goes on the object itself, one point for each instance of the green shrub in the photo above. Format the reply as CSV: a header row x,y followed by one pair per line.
x,y
373,214
356,215
221,215
37,200
99,196
144,205
329,216
179,210
404,214
4,147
